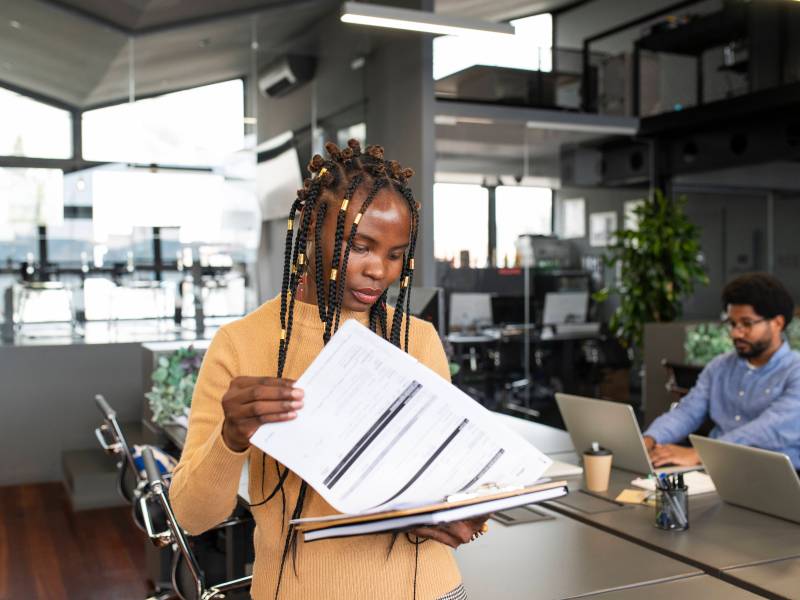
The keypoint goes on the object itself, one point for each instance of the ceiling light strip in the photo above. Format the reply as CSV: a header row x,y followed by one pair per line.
x,y
376,15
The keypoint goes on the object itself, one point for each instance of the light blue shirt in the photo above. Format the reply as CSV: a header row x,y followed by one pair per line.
x,y
758,407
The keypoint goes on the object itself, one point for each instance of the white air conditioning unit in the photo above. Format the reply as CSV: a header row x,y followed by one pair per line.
x,y
286,75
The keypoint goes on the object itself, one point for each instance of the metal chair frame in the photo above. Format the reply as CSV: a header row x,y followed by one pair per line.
x,y
175,535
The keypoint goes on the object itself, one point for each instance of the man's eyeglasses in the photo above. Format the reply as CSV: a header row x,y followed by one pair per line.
x,y
745,325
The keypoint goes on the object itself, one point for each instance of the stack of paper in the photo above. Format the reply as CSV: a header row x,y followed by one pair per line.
x,y
697,482
380,432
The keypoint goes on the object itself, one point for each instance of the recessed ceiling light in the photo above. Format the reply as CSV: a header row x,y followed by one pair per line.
x,y
15,24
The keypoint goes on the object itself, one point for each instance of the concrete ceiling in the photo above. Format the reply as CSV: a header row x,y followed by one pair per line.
x,y
499,10
78,53
130,16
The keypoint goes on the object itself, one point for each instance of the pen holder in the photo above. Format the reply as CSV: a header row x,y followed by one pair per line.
x,y
672,509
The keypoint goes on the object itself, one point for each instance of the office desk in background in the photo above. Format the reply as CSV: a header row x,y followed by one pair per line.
x,y
591,547
781,577
721,537
698,587
558,558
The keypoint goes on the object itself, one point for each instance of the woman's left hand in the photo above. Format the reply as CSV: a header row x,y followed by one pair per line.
x,y
452,534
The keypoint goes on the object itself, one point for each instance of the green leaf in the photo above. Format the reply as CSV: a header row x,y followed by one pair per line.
x,y
659,264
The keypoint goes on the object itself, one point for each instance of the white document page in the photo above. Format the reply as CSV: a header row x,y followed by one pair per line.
x,y
379,430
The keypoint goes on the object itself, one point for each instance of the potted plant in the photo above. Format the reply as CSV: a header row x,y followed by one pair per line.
x,y
173,385
659,265
705,341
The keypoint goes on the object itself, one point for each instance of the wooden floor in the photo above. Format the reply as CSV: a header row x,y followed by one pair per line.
x,y
48,552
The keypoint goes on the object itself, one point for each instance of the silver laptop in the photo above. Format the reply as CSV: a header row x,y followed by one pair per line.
x,y
614,426
757,479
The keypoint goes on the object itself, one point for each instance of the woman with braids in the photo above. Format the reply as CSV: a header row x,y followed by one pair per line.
x,y
351,233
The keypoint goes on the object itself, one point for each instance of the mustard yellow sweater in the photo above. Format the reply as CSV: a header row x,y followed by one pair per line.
x,y
204,486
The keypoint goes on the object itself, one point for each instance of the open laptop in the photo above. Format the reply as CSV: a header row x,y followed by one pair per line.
x,y
757,479
614,426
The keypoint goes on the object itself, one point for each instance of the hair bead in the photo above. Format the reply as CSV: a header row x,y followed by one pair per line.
x,y
333,274
301,259
357,219
345,202
283,334
290,224
405,282
411,264
322,172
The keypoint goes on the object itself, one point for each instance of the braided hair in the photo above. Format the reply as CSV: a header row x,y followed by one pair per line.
x,y
333,183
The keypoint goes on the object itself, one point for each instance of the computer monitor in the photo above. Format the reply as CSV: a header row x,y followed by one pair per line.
x,y
425,304
510,310
565,307
470,310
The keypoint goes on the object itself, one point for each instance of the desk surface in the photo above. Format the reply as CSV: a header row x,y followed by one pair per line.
x,y
701,586
557,558
781,578
720,536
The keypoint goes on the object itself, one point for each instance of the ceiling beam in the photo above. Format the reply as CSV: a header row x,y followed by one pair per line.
x,y
137,97
171,26
568,7
559,120
39,97
88,16
230,14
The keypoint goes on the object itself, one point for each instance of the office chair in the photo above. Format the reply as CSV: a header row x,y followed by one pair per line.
x,y
130,481
131,485
189,580
681,378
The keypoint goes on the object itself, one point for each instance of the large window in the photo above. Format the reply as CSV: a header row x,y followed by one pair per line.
x,y
530,48
520,210
461,224
197,127
31,128
28,198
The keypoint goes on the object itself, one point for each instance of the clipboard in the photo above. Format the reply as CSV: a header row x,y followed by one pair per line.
x,y
481,501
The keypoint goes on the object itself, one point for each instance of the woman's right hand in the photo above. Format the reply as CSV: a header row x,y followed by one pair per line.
x,y
252,401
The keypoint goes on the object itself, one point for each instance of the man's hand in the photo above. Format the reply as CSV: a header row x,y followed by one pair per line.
x,y
671,454
451,534
649,443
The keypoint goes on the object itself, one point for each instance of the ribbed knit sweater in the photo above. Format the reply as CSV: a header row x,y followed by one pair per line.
x,y
205,483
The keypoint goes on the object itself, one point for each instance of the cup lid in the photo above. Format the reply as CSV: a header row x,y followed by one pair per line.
x,y
597,450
